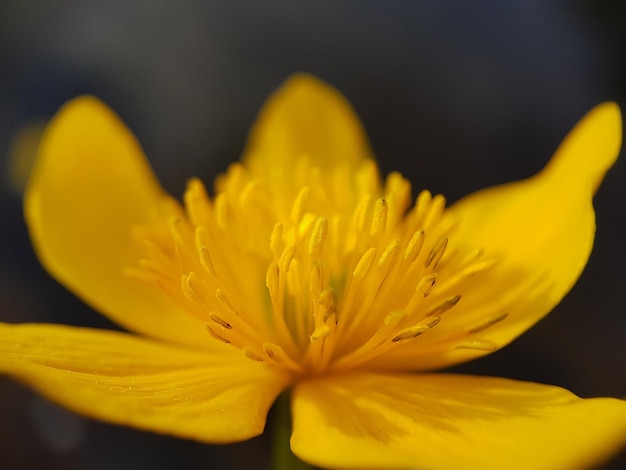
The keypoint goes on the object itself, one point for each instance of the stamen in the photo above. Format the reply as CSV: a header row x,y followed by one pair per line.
x,y
360,214
191,290
434,211
379,219
206,261
365,264
409,333
487,323
432,321
477,267
436,253
216,335
196,201
272,280
444,306
276,239
217,319
422,203
204,255
221,297
388,258
320,332
300,204
274,352
221,211
393,319
284,262
251,194
427,283
316,280
478,344
347,273
414,247
304,227
250,354
318,237
416,330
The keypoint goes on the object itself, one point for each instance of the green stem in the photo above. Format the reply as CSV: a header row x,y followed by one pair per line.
x,y
282,457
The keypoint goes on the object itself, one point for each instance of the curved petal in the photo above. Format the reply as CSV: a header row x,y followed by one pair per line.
x,y
142,383
90,186
451,421
540,231
305,117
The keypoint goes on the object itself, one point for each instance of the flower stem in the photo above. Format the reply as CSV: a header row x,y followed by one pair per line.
x,y
282,457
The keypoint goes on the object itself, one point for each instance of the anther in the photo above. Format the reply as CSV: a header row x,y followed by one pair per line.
x,y
320,332
275,239
427,283
318,237
431,322
250,354
152,267
360,213
487,322
421,205
299,205
436,253
187,281
414,246
206,261
175,224
194,197
393,319
272,279
216,335
220,321
221,210
251,193
379,219
274,352
477,267
330,317
409,333
388,258
444,306
284,262
365,264
326,297
478,344
434,211
221,297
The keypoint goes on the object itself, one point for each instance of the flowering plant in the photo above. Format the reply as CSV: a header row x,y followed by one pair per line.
x,y
306,272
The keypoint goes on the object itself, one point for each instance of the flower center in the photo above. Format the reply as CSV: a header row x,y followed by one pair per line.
x,y
321,273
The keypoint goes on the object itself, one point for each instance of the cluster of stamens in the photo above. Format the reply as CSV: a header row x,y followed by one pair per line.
x,y
307,286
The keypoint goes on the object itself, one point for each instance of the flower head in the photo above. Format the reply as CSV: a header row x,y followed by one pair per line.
x,y
305,270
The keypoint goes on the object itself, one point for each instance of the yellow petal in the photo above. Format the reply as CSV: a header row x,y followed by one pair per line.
x,y
90,186
305,118
540,231
142,383
451,421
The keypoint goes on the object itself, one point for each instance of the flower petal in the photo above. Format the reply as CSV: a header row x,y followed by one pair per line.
x,y
90,186
540,232
451,421
305,118
143,383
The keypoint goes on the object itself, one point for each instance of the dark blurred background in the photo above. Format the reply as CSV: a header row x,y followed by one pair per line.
x,y
456,95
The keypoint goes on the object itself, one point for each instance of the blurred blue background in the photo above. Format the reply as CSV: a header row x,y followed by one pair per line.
x,y
456,95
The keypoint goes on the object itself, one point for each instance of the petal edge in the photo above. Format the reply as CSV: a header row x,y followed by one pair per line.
x,y
91,184
146,384
450,421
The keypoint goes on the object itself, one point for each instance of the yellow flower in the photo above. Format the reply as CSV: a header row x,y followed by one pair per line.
x,y
306,271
